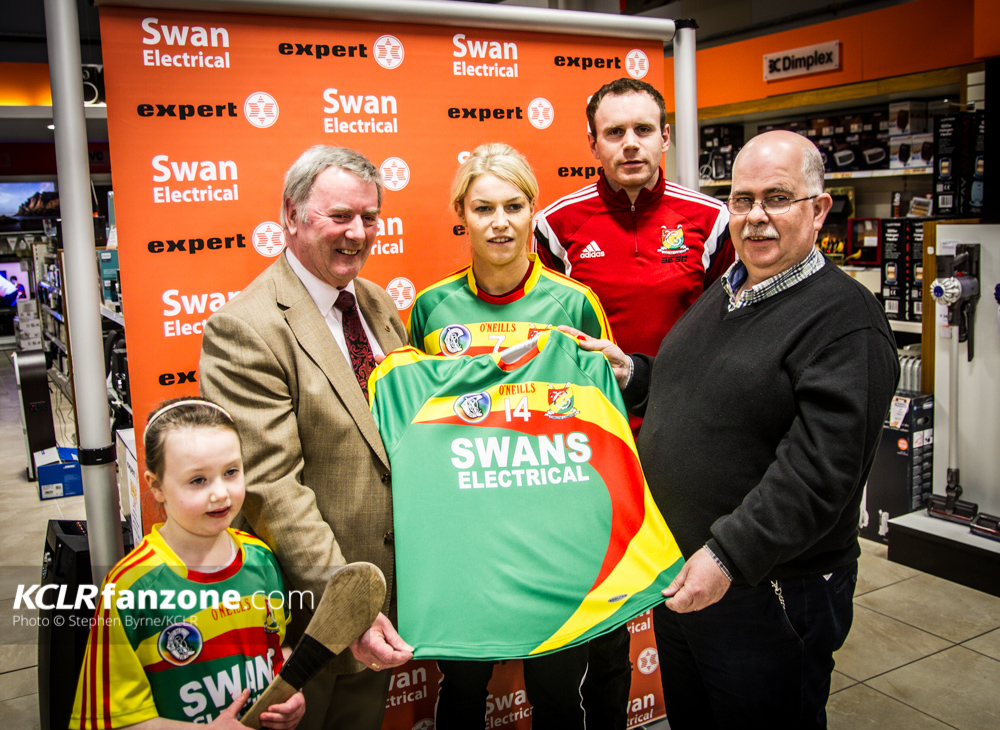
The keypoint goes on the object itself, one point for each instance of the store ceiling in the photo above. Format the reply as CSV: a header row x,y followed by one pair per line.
x,y
22,37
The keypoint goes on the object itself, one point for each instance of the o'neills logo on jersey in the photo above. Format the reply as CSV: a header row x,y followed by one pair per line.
x,y
473,407
454,340
197,306
486,58
184,46
523,461
180,644
209,178
359,113
388,237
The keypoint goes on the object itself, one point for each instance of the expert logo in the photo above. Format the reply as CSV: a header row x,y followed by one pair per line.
x,y
261,109
541,113
389,51
402,291
395,173
268,239
636,63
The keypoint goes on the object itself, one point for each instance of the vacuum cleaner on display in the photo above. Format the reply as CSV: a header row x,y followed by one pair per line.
x,y
956,287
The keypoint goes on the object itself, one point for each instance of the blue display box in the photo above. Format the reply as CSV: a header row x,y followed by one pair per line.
x,y
58,473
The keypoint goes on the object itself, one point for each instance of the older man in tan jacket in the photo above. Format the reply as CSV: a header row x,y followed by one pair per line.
x,y
289,358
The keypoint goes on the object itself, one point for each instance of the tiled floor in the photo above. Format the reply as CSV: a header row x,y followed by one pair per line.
x,y
923,653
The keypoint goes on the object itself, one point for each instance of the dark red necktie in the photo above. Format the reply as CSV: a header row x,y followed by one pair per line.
x,y
362,359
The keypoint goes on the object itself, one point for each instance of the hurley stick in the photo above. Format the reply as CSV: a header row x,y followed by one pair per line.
x,y
350,604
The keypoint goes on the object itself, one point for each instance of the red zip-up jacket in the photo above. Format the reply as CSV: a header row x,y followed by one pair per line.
x,y
647,262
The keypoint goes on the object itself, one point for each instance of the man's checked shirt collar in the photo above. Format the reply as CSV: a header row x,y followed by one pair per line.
x,y
733,279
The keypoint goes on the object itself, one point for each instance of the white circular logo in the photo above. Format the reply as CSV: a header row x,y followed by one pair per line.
x,y
648,661
540,113
402,292
388,51
261,109
425,724
268,239
636,63
395,173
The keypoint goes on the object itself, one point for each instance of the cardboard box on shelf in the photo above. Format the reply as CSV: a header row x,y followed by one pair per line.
x,y
874,147
107,262
900,151
822,127
907,117
915,273
921,150
877,121
864,242
900,479
58,473
976,197
27,307
954,168
720,135
897,244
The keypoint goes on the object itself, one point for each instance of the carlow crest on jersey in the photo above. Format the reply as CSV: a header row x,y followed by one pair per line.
x,y
561,401
454,340
180,643
672,240
270,621
473,407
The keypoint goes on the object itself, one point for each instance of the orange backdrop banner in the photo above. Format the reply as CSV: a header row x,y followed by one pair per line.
x,y
207,111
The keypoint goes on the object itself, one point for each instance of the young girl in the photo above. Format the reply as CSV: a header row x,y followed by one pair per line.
x,y
192,631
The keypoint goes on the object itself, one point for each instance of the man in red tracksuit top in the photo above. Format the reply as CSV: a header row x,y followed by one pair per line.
x,y
648,248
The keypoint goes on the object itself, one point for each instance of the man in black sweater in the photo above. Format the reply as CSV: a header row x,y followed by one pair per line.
x,y
763,409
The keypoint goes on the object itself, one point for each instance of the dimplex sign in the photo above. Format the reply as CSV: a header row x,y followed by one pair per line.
x,y
801,61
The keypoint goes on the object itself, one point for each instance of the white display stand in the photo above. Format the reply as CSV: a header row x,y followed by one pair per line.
x,y
935,546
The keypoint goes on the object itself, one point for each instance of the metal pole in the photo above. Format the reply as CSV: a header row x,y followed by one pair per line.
x,y
686,103
96,450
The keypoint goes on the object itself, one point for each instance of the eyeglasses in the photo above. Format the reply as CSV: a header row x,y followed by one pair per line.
x,y
772,205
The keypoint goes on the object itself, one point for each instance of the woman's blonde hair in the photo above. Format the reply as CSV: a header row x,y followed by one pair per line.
x,y
501,160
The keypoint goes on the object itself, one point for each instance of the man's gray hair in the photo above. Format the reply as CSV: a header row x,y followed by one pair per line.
x,y
302,174
813,170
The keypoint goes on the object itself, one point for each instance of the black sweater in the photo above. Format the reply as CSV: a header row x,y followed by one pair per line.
x,y
761,424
